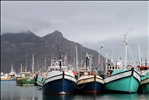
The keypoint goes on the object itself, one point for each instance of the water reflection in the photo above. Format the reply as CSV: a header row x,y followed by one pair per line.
x,y
9,91
58,97
88,97
144,96
133,96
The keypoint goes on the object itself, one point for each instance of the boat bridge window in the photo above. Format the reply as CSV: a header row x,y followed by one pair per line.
x,y
54,69
51,69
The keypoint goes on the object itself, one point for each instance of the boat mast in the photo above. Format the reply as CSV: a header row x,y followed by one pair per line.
x,y
99,61
90,61
33,63
131,56
81,63
126,46
87,59
60,60
76,58
26,63
65,60
45,63
21,69
11,67
106,69
38,64
148,50
111,56
139,55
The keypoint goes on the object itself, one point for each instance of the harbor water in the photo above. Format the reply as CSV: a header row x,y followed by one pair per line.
x,y
9,91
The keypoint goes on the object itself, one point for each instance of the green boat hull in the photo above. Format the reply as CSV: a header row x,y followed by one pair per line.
x,y
127,81
129,84
25,81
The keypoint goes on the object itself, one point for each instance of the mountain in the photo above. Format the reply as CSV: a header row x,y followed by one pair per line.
x,y
17,49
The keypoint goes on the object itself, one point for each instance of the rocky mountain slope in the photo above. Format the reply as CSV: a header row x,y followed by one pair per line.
x,y
17,49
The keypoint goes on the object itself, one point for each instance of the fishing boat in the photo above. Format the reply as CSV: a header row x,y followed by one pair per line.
x,y
59,79
41,76
40,79
89,81
125,80
144,70
9,76
145,83
25,79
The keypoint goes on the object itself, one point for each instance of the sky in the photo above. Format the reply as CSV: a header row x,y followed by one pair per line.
x,y
86,22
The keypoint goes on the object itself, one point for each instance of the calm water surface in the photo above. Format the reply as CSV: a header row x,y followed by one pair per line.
x,y
9,91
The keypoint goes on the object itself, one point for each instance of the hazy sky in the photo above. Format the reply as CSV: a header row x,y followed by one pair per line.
x,y
86,22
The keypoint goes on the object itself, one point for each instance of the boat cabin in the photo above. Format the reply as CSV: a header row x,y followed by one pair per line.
x,y
57,65
111,67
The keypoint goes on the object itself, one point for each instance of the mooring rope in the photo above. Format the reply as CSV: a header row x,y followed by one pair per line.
x,y
79,87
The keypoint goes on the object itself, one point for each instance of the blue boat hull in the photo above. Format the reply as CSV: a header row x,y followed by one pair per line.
x,y
91,87
90,83
61,86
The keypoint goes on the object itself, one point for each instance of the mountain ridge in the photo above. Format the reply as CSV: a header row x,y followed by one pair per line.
x,y
18,48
